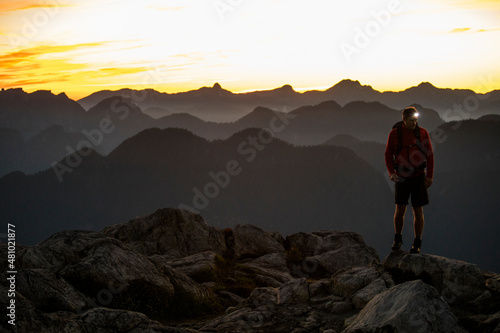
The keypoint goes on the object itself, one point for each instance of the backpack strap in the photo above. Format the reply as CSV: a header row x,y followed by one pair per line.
x,y
399,131
418,142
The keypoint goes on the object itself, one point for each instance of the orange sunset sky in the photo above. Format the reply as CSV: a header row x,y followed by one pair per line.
x,y
82,46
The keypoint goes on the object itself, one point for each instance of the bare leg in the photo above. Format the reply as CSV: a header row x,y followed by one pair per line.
x,y
418,221
399,218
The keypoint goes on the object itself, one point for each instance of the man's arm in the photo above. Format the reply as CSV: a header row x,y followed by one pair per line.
x,y
389,153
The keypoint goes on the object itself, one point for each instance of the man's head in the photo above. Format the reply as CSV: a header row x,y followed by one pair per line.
x,y
410,117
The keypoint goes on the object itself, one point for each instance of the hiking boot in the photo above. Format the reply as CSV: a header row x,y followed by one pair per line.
x,y
417,244
398,241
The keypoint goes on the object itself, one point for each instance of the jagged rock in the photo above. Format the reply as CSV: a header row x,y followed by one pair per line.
x,y
350,281
295,291
245,319
324,253
49,292
493,283
253,242
231,298
482,323
346,257
411,307
26,317
277,237
273,266
305,242
166,267
261,297
191,299
359,284
365,295
63,248
320,288
200,267
455,280
104,320
113,275
320,242
171,232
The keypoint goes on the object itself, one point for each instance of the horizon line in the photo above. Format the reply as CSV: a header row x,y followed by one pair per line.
x,y
301,90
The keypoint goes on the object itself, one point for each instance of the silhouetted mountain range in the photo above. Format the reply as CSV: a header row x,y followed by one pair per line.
x,y
309,125
107,124
275,184
371,151
37,111
243,178
220,105
280,185
38,152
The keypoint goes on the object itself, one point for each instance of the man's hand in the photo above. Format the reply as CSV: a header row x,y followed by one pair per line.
x,y
427,182
394,177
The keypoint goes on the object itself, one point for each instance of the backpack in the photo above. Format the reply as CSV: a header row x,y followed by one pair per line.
x,y
418,143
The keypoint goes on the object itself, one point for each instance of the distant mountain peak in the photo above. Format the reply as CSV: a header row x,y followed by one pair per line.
x,y
217,86
426,85
286,87
349,83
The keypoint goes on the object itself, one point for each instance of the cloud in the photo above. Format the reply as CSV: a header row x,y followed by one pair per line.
x,y
458,30
52,64
462,30
33,54
20,5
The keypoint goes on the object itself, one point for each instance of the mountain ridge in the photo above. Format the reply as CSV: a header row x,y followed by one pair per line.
x,y
441,99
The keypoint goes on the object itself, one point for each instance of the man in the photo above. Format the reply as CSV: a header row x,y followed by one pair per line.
x,y
410,163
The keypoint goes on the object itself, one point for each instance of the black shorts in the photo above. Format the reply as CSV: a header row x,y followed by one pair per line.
x,y
414,187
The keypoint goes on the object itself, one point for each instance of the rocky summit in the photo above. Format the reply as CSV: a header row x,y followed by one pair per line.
x,y
172,272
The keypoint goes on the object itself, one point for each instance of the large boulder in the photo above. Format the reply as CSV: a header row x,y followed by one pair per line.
x,y
457,281
250,241
109,273
295,291
171,232
190,299
413,307
25,316
343,258
320,242
321,254
63,248
361,284
200,266
49,292
272,268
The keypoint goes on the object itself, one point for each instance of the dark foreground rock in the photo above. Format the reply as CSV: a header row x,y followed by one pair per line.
x,y
171,272
412,307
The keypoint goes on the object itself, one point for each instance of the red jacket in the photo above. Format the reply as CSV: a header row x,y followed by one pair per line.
x,y
410,156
